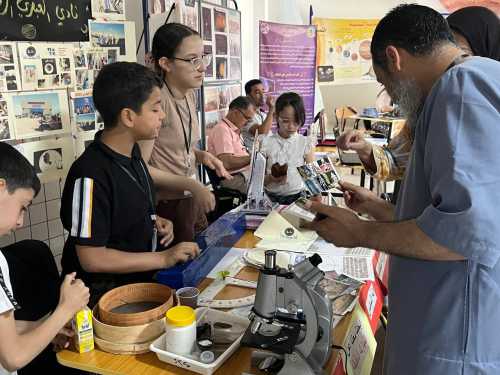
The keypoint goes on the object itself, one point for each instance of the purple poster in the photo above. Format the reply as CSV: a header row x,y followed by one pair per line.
x,y
287,61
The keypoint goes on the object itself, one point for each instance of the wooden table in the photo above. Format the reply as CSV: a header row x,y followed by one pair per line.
x,y
101,362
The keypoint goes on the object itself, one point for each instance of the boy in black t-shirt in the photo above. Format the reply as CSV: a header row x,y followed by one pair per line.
x,y
108,199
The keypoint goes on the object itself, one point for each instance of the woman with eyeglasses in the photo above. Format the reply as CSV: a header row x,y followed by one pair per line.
x,y
178,55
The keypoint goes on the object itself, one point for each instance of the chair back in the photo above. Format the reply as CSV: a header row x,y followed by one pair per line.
x,y
212,176
341,114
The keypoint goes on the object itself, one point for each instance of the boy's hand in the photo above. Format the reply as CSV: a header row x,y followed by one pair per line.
x,y
180,253
63,339
74,294
165,230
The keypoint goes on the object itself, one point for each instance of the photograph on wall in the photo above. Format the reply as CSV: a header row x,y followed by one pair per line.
x,y
211,99
211,119
221,68
234,68
157,6
3,106
234,92
189,13
51,157
220,21
85,122
84,113
234,18
234,45
345,45
39,113
207,50
206,22
88,61
220,44
325,73
47,20
82,141
115,34
6,130
108,9
46,66
224,97
9,68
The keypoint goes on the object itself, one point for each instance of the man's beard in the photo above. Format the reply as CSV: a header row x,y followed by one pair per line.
x,y
408,96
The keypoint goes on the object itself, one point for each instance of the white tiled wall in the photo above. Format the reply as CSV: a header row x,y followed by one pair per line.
x,y
42,221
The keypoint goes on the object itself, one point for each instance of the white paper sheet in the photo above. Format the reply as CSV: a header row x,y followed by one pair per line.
x,y
232,255
357,267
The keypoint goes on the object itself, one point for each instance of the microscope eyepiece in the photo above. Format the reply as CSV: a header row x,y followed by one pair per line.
x,y
270,259
315,260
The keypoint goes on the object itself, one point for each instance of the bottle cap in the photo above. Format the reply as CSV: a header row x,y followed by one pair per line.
x,y
180,316
207,357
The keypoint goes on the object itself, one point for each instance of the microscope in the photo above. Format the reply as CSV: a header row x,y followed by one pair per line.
x,y
291,319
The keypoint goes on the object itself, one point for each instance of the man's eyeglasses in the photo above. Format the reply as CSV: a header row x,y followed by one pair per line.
x,y
197,62
248,118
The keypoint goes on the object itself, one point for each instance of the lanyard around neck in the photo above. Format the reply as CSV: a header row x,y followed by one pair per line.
x,y
147,193
187,138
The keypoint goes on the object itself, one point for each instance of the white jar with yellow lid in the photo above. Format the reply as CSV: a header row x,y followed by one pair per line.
x,y
180,330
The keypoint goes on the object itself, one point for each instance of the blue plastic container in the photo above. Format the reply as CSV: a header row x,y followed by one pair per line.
x,y
214,242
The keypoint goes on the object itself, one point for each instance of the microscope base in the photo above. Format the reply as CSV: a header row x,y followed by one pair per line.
x,y
294,364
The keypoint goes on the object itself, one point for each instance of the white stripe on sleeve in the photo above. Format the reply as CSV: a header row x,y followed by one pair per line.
x,y
75,208
86,218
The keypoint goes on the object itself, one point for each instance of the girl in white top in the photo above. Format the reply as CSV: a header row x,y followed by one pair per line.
x,y
289,147
21,341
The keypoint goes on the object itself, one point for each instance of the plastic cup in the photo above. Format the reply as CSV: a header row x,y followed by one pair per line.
x,y
188,296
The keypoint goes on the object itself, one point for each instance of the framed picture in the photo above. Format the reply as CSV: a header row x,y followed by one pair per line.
x,y
46,66
88,61
206,23
39,113
6,130
9,68
109,10
82,141
51,158
119,34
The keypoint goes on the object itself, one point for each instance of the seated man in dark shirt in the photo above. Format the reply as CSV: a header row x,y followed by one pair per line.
x,y
108,203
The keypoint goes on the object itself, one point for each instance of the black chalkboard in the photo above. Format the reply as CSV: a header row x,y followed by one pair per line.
x,y
44,20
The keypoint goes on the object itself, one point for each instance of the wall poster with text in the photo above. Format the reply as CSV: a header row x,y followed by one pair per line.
x,y
344,44
287,61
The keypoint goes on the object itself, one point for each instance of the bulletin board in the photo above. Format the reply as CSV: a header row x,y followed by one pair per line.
x,y
47,71
221,34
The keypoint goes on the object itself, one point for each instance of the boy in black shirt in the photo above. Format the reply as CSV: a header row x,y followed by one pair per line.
x,y
108,200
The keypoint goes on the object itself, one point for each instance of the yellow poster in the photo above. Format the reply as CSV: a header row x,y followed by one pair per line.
x,y
359,343
345,45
